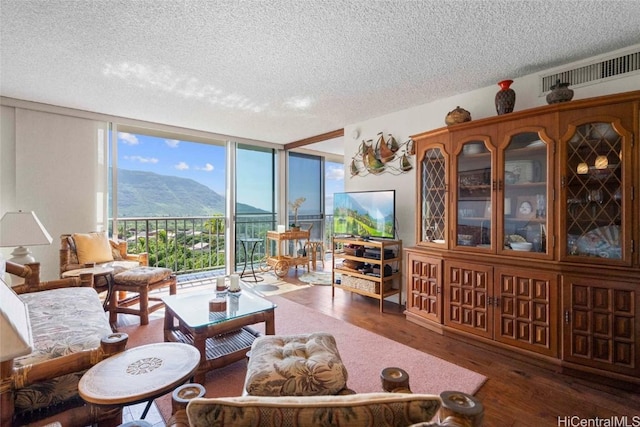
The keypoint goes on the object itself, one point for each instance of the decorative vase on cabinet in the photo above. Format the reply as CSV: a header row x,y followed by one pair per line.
x,y
560,92
505,98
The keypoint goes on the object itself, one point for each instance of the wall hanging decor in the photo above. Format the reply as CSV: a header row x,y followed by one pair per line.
x,y
385,156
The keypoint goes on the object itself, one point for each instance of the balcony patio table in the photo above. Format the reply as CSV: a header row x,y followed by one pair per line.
x,y
249,275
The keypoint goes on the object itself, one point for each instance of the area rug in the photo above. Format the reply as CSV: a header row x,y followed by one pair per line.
x,y
364,354
272,285
316,278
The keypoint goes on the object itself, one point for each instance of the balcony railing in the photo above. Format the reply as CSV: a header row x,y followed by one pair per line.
x,y
193,244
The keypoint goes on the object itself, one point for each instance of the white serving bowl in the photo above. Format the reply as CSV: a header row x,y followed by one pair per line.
x,y
521,246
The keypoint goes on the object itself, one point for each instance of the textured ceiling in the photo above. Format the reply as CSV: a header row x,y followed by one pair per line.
x,y
281,71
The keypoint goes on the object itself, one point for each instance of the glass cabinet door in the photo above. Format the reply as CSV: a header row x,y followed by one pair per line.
x,y
473,196
594,191
434,196
524,202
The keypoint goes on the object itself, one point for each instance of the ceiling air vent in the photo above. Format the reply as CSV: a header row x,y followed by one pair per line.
x,y
595,72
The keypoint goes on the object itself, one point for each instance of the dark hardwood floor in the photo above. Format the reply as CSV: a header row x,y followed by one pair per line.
x,y
517,393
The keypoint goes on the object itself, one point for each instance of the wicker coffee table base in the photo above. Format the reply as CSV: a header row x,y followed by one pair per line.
x,y
221,350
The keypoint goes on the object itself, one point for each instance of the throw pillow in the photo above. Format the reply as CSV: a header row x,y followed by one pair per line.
x,y
92,247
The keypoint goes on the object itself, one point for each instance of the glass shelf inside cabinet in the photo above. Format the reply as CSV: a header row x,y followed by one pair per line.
x,y
433,196
473,223
524,203
594,192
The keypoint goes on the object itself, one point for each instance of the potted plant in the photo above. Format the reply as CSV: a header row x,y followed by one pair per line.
x,y
295,205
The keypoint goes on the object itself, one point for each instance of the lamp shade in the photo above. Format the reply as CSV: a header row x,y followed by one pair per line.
x,y
15,329
23,229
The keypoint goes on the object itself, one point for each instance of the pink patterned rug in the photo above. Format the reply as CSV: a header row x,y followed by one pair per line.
x,y
364,354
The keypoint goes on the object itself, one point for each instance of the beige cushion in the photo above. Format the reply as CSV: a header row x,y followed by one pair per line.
x,y
355,410
141,276
92,247
295,365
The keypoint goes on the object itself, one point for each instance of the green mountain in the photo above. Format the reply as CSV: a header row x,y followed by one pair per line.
x,y
148,194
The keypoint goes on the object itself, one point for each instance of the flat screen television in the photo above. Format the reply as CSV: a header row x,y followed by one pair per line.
x,y
365,214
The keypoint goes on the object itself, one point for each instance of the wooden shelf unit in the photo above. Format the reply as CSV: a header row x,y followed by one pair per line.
x,y
379,287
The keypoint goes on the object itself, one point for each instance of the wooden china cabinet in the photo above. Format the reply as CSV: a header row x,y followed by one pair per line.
x,y
527,234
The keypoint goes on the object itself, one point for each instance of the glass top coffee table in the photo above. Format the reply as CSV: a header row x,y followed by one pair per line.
x,y
221,337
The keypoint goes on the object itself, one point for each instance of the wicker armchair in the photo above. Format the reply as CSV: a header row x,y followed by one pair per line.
x,y
121,259
41,387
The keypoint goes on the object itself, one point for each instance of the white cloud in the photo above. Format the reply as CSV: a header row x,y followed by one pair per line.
x,y
141,159
182,166
207,167
334,174
173,143
128,138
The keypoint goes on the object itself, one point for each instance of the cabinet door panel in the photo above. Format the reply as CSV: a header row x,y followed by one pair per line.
x,y
596,185
433,205
524,185
473,179
601,324
425,285
526,313
466,297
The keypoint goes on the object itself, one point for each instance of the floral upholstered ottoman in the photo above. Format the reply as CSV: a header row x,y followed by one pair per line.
x,y
139,281
295,365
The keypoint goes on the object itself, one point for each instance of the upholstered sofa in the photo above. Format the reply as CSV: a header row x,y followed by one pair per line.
x,y
354,410
280,394
70,334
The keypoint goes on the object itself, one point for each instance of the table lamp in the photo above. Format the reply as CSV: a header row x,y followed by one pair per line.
x,y
22,229
15,328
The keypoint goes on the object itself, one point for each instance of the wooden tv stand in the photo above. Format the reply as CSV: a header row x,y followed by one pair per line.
x,y
379,286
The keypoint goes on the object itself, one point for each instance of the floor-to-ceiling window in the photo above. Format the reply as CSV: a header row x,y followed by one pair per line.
x,y
306,190
167,198
255,200
314,179
333,183
189,203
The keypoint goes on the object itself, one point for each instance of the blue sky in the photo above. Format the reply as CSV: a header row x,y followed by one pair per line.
x,y
203,163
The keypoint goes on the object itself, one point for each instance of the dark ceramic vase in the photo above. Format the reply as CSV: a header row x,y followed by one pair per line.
x,y
559,93
505,98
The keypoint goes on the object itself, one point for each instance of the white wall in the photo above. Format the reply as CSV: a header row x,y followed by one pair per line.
x,y
402,124
58,172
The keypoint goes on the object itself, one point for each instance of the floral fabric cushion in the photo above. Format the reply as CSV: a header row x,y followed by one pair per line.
x,y
63,321
356,410
141,276
120,266
295,365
